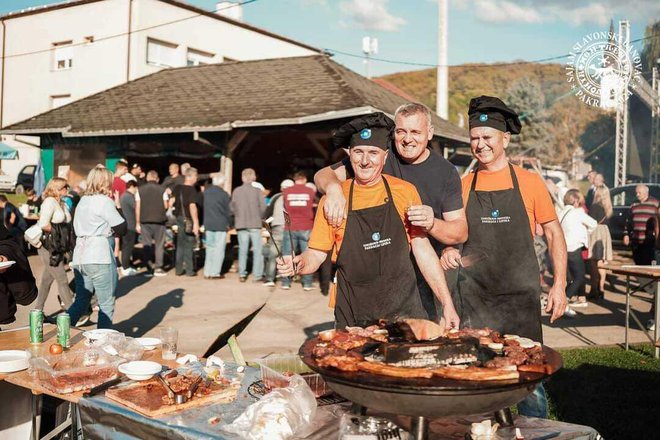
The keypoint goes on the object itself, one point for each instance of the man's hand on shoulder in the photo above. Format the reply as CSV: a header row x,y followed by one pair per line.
x,y
334,206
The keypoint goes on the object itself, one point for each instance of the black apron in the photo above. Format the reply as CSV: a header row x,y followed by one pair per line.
x,y
375,277
503,291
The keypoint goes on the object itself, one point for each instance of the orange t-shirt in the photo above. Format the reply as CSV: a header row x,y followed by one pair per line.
x,y
535,195
324,236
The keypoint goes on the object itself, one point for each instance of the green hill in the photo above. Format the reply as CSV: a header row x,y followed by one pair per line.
x,y
565,120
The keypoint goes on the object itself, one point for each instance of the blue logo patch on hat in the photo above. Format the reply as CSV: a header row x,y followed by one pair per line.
x,y
365,133
483,117
495,213
375,236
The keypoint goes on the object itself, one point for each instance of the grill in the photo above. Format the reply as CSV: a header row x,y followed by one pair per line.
x,y
424,398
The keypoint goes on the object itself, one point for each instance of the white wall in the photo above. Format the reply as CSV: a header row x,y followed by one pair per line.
x,y
202,33
30,80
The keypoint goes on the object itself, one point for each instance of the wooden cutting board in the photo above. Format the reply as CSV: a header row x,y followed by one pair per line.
x,y
147,397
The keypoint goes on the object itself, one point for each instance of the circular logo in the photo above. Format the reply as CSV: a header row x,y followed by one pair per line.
x,y
365,133
495,213
375,236
483,117
600,72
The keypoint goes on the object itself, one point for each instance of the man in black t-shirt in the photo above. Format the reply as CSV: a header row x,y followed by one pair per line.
x,y
185,200
442,215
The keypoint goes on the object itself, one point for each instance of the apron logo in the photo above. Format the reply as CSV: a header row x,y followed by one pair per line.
x,y
377,241
496,217
365,133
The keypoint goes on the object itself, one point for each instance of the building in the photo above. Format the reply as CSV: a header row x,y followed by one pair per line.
x,y
61,53
276,116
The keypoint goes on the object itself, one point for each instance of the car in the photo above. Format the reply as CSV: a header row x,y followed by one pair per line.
x,y
24,180
622,197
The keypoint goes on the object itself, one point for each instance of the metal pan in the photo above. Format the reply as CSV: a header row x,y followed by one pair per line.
x,y
433,397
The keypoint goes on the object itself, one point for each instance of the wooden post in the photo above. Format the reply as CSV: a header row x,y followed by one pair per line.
x,y
227,163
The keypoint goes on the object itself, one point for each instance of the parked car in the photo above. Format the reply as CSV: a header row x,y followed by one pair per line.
x,y
622,197
19,183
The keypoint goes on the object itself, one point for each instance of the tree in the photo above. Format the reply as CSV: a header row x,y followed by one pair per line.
x,y
527,99
651,50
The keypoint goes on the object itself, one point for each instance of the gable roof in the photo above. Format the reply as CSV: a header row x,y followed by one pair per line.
x,y
176,3
221,97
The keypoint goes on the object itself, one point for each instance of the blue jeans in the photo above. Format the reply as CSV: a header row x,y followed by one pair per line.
x,y
534,405
245,236
90,280
215,242
300,240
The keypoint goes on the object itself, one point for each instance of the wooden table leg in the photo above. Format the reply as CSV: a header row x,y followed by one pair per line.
x,y
656,332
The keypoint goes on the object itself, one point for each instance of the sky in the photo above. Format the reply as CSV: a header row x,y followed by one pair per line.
x,y
480,31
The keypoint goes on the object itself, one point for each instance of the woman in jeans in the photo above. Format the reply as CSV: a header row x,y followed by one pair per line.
x,y
97,220
53,212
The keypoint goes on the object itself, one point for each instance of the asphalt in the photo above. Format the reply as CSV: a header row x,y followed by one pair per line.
x,y
202,309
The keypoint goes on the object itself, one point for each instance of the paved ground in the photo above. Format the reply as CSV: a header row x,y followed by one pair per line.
x,y
201,309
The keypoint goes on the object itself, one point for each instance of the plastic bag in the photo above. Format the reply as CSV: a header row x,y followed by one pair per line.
x,y
279,415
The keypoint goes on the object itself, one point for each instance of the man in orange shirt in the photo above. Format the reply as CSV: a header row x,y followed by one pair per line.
x,y
371,247
503,204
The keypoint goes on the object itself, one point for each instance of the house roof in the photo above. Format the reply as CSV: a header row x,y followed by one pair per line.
x,y
226,96
177,3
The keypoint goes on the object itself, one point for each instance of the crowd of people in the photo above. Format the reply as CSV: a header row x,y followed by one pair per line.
x,y
585,221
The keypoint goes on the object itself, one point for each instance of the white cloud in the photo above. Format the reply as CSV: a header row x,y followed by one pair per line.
x,y
501,11
371,15
574,12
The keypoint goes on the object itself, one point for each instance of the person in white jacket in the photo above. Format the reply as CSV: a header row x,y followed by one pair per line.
x,y
577,225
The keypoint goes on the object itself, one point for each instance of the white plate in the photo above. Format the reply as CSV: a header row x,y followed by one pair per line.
x,y
148,343
140,370
93,335
6,264
13,360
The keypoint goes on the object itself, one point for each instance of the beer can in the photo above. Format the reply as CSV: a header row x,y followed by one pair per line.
x,y
63,329
36,326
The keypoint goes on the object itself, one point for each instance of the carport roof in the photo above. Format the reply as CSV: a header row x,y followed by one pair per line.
x,y
223,97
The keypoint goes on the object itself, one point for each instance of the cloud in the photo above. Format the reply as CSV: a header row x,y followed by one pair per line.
x,y
574,12
371,15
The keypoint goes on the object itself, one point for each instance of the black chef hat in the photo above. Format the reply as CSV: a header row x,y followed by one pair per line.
x,y
374,130
488,111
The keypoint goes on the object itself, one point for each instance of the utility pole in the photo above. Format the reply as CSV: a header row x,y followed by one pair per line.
x,y
442,85
654,165
621,146
369,47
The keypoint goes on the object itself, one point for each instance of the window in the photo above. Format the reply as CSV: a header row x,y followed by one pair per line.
x,y
59,100
161,53
198,57
62,55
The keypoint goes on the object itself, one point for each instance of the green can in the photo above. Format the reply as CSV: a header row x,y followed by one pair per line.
x,y
63,329
36,326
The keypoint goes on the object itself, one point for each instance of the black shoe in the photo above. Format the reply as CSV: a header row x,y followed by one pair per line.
x,y
242,279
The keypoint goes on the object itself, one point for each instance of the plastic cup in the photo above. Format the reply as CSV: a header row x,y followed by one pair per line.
x,y
169,337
